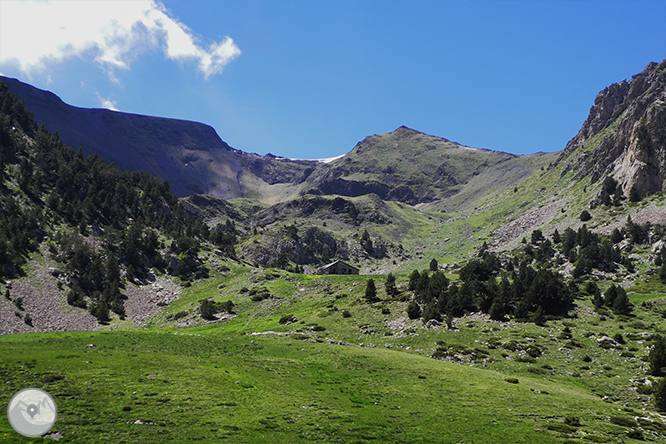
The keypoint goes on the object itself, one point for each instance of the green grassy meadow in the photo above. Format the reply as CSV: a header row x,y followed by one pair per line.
x,y
331,378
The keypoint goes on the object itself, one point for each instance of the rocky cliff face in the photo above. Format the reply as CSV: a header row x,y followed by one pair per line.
x,y
625,134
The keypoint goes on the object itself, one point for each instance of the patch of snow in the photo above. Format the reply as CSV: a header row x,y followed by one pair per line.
x,y
326,160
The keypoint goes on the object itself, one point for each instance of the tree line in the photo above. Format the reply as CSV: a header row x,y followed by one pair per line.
x,y
51,193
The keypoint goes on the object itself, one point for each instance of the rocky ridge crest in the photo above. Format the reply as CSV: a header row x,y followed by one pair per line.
x,y
625,134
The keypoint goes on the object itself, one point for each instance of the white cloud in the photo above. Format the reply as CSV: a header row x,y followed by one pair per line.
x,y
37,33
107,103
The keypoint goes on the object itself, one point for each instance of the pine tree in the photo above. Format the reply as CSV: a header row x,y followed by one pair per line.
x,y
391,288
660,396
414,280
621,304
207,309
434,265
556,237
496,310
539,317
413,310
101,312
371,291
657,357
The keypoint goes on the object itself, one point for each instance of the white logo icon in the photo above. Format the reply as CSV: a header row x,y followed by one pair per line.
x,y
32,412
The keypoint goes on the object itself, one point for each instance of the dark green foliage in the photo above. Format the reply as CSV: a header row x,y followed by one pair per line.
x,y
496,310
391,288
101,311
75,297
585,216
662,273
557,238
635,194
61,187
413,310
624,421
573,421
291,232
371,291
430,312
537,236
207,309
660,396
518,293
539,317
637,234
414,280
434,265
28,319
657,357
18,302
616,298
619,338
616,236
621,304
609,185
373,251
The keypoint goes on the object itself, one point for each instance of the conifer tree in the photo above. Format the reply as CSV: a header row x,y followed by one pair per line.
x,y
371,291
657,357
660,396
391,288
413,310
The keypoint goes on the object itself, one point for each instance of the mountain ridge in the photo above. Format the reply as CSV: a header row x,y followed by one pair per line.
x,y
195,160
181,151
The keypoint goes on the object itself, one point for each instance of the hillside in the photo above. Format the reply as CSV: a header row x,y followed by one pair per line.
x,y
404,165
501,298
625,134
189,155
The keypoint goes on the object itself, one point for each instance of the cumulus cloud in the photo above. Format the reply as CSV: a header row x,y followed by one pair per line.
x,y
107,103
37,33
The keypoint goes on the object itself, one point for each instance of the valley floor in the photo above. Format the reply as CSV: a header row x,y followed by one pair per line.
x,y
368,377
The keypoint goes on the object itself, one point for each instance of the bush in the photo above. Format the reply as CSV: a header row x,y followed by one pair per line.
x,y
660,396
635,434
19,303
624,421
176,316
657,357
207,309
585,216
346,314
288,319
572,421
413,310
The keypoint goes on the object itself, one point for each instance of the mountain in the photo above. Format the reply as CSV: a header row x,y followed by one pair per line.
x,y
404,165
487,277
189,155
624,135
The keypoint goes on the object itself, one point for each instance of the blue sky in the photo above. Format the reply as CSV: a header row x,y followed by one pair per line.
x,y
310,79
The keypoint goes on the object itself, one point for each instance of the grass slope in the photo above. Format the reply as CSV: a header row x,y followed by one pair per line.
x,y
161,387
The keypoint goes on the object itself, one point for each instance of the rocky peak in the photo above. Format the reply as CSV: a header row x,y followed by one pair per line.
x,y
625,134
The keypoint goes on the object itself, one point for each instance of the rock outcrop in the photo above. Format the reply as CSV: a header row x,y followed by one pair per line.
x,y
625,134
